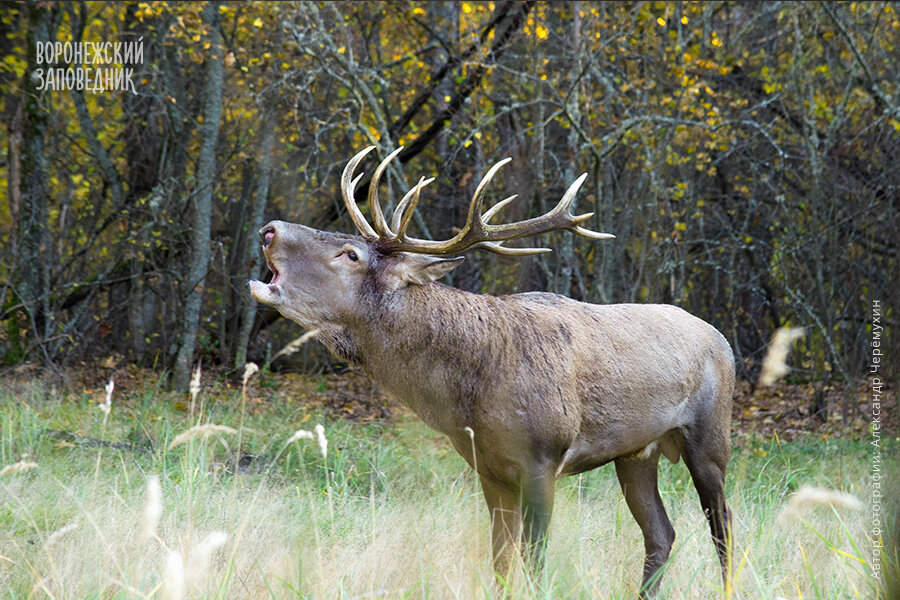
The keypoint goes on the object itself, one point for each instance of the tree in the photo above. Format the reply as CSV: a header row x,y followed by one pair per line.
x,y
202,197
31,280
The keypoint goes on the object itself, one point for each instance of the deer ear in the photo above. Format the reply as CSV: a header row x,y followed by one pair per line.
x,y
421,269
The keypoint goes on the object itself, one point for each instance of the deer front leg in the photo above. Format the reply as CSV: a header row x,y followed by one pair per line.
x,y
506,526
537,507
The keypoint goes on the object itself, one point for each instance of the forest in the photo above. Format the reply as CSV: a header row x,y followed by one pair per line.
x,y
744,155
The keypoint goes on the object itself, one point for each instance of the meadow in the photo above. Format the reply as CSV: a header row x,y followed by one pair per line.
x,y
387,510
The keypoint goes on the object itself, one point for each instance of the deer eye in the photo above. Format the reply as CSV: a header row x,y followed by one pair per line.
x,y
352,255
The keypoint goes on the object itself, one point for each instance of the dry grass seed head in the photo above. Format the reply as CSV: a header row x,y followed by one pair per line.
x,y
810,497
323,441
295,345
106,407
318,434
300,434
195,382
250,369
173,585
775,363
152,508
199,558
19,467
59,533
200,430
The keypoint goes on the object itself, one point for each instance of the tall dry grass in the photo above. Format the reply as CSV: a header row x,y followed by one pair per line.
x,y
385,513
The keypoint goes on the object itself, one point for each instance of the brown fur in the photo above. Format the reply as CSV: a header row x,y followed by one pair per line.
x,y
549,386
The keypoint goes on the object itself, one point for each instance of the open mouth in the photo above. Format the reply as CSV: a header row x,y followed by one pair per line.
x,y
276,276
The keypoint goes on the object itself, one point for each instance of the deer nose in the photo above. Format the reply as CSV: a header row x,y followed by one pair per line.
x,y
267,234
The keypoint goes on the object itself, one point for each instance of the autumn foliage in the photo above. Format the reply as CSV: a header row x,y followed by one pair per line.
x,y
744,154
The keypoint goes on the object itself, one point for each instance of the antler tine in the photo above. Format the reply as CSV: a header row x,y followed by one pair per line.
x,y
478,197
378,220
565,207
489,214
499,248
594,235
403,214
355,182
348,186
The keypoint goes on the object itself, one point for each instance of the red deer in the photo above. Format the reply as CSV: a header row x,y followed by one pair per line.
x,y
546,386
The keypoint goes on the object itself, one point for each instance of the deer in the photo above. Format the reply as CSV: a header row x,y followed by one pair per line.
x,y
528,387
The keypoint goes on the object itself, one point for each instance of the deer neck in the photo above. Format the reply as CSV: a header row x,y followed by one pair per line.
x,y
422,344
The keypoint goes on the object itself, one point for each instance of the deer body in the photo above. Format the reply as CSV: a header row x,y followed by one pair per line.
x,y
576,385
527,387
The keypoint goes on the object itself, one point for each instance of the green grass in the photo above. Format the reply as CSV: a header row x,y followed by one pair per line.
x,y
392,512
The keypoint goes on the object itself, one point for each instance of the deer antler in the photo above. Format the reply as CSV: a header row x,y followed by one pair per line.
x,y
348,185
477,231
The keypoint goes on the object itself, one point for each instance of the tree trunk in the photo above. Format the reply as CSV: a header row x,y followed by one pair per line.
x,y
239,225
203,191
32,260
566,250
257,215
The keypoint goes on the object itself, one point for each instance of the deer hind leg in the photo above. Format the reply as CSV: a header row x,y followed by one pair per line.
x,y
637,477
706,459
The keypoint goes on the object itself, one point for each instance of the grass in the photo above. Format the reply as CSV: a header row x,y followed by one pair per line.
x,y
391,512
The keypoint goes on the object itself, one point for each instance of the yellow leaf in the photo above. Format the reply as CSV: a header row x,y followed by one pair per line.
x,y
257,22
661,22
